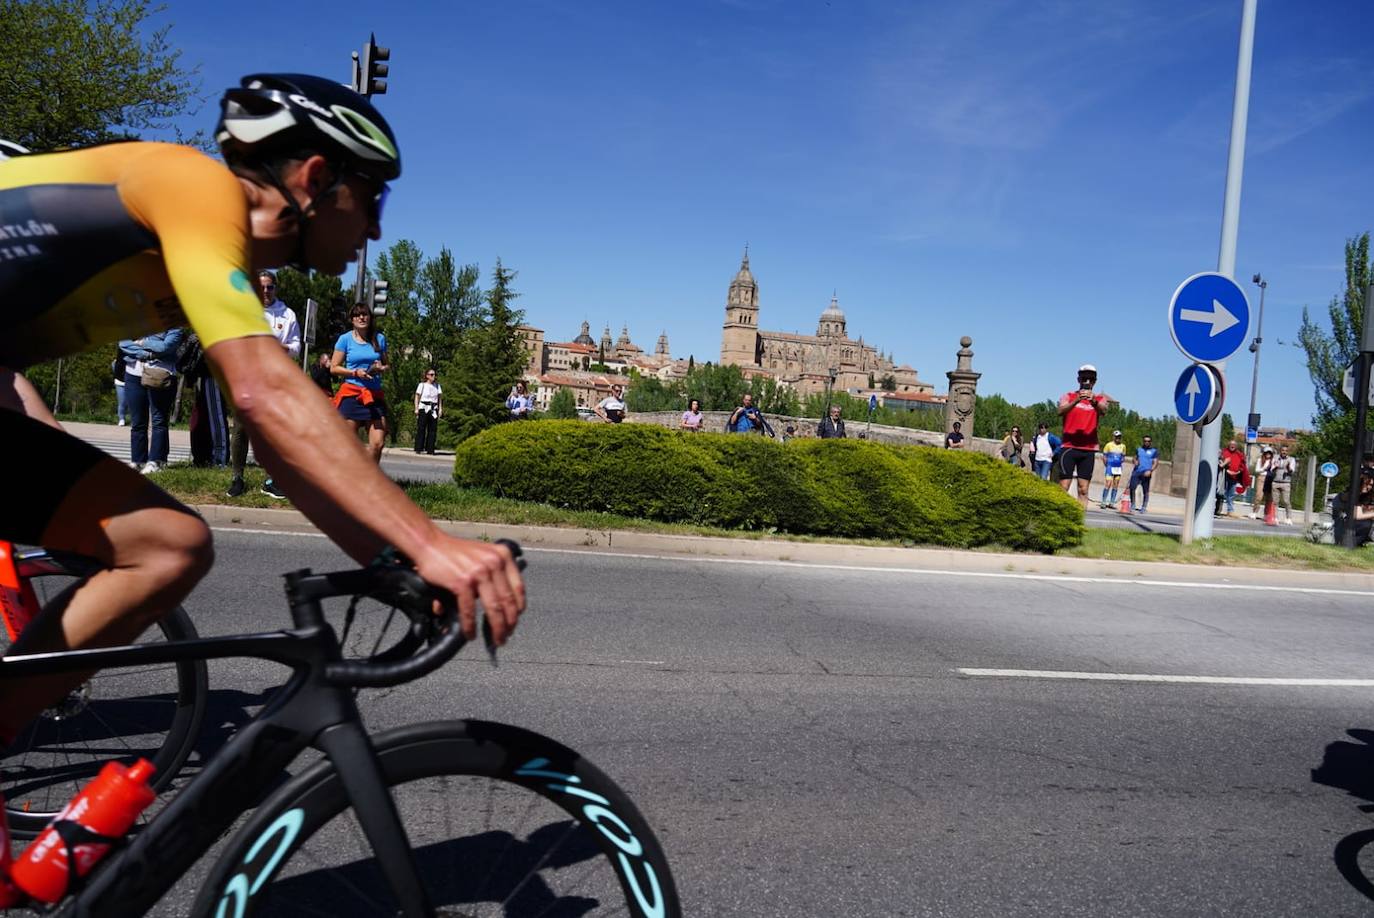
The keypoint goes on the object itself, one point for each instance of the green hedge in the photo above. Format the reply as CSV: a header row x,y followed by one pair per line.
x,y
851,488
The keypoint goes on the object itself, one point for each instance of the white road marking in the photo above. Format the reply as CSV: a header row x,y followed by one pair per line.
x,y
1150,677
283,532
935,572
922,571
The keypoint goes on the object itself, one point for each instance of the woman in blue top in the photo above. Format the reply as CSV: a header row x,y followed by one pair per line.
x,y
360,358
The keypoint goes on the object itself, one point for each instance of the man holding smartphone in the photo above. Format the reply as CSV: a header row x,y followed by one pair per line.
x,y
1080,410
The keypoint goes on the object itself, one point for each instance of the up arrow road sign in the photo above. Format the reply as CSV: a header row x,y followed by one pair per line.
x,y
1198,394
1209,317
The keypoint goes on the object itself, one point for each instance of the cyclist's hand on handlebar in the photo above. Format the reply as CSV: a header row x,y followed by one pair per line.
x,y
477,571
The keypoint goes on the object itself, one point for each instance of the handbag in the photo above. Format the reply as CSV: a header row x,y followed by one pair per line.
x,y
155,377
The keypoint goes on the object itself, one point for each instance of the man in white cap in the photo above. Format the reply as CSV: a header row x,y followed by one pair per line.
x,y
1080,410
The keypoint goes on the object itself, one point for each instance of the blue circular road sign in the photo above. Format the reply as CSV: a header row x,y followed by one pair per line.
x,y
1197,394
1330,470
1209,317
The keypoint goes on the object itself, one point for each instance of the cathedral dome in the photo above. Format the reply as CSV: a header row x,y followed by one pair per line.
x,y
833,312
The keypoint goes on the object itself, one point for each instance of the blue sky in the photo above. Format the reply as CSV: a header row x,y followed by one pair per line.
x,y
1040,176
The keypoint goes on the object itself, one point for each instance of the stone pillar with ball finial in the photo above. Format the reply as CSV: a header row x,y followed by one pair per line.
x,y
963,390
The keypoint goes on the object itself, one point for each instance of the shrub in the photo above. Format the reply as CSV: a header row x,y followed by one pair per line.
x,y
848,488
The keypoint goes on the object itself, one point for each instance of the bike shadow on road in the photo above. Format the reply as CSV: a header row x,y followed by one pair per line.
x,y
1349,766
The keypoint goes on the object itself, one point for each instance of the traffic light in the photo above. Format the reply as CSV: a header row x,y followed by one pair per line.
x,y
376,296
372,80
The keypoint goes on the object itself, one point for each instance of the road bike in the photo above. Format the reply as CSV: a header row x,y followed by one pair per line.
x,y
458,818
153,712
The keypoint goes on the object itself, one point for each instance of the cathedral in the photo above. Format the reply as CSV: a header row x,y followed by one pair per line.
x,y
804,362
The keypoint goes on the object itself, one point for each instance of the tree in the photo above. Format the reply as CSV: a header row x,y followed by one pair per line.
x,y
563,405
488,361
888,383
1329,353
78,74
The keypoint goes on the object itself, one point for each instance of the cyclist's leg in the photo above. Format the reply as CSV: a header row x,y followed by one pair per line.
x,y
79,499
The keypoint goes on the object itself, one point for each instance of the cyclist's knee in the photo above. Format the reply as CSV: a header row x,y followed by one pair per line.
x,y
177,546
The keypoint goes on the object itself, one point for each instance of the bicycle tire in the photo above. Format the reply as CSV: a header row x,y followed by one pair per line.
x,y
51,759
302,852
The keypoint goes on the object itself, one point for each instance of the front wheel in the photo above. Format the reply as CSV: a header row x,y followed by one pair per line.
x,y
501,822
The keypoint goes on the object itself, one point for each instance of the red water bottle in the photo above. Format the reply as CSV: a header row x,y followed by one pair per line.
x,y
9,895
96,818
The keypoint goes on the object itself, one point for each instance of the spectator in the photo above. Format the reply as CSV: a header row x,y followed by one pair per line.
x,y
831,428
1264,482
788,433
279,316
150,378
1081,410
282,320
321,375
1284,468
612,407
1145,458
691,418
1011,448
209,423
1113,459
746,418
519,401
121,401
429,407
1364,508
1042,451
360,357
1233,474
955,438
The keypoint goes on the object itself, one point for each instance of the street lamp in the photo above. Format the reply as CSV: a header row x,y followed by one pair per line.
x,y
1263,284
834,372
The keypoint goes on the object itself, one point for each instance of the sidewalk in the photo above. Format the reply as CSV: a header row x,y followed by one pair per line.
x,y
102,434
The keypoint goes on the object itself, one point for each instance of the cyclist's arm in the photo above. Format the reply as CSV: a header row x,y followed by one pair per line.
x,y
313,457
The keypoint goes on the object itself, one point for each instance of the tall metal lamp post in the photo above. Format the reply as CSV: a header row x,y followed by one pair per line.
x,y
1253,420
830,388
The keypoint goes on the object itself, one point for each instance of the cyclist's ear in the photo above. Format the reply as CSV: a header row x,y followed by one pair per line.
x,y
313,175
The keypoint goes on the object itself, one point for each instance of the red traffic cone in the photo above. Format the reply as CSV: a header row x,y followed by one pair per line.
x,y
1125,504
1271,514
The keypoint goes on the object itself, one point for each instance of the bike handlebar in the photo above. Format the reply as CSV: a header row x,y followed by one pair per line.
x,y
398,585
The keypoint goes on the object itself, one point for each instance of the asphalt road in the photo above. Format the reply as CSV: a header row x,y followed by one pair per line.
x,y
807,740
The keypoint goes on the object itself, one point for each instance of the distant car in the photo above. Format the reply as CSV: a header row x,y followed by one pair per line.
x,y
584,413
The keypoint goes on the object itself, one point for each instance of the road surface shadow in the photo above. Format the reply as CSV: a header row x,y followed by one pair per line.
x,y
1349,766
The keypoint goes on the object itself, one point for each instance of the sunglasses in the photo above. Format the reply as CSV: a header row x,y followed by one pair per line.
x,y
269,286
377,202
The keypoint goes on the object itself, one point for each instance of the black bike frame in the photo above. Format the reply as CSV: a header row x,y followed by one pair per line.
x,y
308,711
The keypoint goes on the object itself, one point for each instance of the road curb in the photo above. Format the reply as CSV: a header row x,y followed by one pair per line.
x,y
768,549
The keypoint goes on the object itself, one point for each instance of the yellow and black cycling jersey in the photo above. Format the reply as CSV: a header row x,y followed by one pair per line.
x,y
119,241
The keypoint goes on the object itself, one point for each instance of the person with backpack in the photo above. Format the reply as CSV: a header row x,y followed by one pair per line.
x,y
745,418
1081,410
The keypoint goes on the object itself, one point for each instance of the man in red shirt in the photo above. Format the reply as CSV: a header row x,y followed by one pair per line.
x,y
1080,411
1232,468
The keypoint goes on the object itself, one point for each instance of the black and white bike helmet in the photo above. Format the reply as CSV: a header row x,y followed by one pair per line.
x,y
275,114
9,149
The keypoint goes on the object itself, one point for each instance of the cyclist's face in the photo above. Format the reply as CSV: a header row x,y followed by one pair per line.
x,y
343,220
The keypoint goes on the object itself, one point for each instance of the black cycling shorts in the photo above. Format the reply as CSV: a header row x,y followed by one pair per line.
x,y
1082,461
45,463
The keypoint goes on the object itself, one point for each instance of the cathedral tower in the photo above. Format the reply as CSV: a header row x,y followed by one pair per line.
x,y
739,341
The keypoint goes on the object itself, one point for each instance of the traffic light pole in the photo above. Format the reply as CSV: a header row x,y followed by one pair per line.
x,y
1362,371
368,79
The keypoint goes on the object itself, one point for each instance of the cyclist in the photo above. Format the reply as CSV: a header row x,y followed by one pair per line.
x,y
125,239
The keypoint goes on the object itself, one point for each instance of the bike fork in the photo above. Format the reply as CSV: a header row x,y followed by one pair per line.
x,y
355,760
